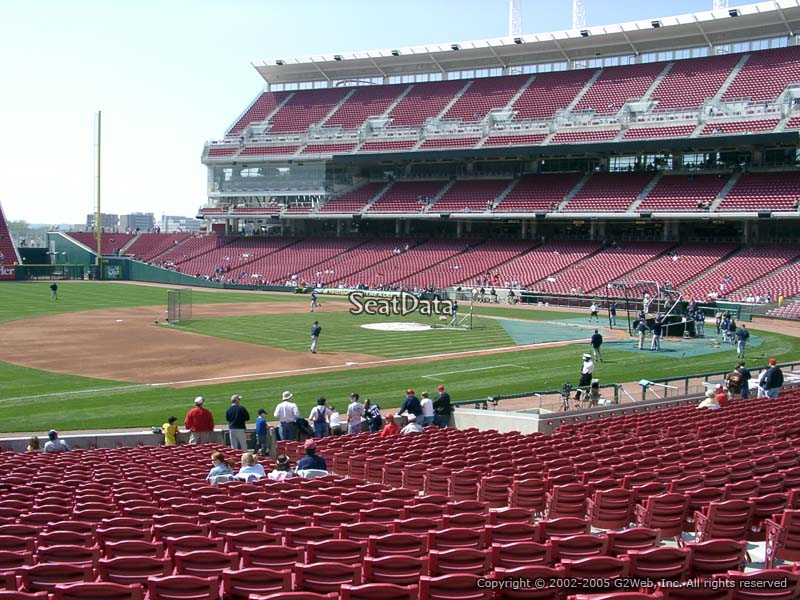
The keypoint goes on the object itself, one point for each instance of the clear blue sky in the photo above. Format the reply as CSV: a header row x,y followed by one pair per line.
x,y
170,74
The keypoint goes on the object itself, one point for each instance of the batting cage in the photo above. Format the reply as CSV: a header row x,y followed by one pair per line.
x,y
179,305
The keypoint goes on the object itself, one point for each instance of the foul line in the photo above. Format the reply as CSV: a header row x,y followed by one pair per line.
x,y
435,378
266,374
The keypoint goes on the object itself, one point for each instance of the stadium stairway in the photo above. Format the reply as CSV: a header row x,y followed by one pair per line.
x,y
643,194
441,193
501,196
519,93
724,192
649,93
783,280
454,99
733,74
582,92
573,192
338,105
377,197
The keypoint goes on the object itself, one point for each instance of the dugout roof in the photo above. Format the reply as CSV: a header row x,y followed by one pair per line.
x,y
710,28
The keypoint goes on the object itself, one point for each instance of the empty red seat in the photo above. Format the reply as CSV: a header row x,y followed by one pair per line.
x,y
183,587
97,591
243,583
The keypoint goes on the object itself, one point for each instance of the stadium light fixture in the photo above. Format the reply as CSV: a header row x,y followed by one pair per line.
x,y
655,24
734,12
585,33
279,62
517,40
395,52
455,47
337,57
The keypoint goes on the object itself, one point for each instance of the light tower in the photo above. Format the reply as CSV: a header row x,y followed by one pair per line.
x,y
720,4
514,18
578,14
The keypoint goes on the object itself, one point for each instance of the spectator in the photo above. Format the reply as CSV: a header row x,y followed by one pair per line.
x,y
770,382
390,428
411,405
746,377
200,422
311,460
55,444
261,447
710,401
237,417
319,418
355,414
33,444
442,408
251,470
170,431
335,421
287,412
427,410
412,427
720,396
734,381
219,467
283,469
373,413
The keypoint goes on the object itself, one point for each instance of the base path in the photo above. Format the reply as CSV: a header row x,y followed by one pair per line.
x,y
126,345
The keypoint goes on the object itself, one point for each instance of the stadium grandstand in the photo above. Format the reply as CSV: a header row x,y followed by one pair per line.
x,y
570,163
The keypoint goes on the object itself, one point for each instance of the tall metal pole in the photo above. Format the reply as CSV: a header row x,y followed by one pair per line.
x,y
98,229
514,18
578,14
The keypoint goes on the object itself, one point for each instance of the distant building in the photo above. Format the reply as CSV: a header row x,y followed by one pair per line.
x,y
107,221
134,221
172,224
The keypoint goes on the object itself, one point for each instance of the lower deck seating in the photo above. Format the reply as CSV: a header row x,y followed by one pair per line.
x,y
491,502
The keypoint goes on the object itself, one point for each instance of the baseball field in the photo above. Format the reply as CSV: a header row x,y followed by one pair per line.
x,y
97,359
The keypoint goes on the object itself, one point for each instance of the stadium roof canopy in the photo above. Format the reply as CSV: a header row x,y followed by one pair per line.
x,y
712,28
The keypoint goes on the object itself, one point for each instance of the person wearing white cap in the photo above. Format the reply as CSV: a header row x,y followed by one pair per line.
x,y
237,417
586,375
412,427
287,413
200,423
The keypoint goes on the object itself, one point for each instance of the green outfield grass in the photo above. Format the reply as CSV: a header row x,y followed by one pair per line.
x,y
24,300
33,400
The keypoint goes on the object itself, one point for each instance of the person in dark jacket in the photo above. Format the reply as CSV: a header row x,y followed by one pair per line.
x,y
442,409
596,341
411,404
311,460
771,381
237,417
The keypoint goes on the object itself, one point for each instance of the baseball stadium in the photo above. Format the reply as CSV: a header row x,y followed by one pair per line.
x,y
538,297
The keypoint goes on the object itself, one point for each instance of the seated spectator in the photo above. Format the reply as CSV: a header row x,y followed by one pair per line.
x,y
412,427
311,460
720,396
390,428
55,444
710,401
219,467
33,444
251,470
283,469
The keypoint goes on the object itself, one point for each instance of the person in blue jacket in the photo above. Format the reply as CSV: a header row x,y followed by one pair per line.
x,y
411,405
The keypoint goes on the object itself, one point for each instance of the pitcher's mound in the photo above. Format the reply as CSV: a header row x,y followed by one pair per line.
x,y
397,326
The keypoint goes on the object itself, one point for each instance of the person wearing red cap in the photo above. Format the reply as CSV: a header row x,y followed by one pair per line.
x,y
411,405
442,409
771,381
311,460
390,428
